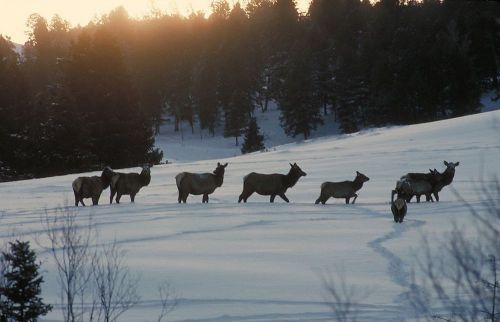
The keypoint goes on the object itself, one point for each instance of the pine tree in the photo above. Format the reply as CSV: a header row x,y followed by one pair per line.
x,y
254,141
237,80
299,101
119,133
14,95
20,296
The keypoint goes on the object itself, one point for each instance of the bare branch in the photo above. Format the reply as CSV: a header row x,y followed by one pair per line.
x,y
116,287
342,298
70,246
168,299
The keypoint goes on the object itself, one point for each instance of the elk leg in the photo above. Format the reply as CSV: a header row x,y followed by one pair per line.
x,y
355,197
111,196
347,200
322,198
95,201
118,197
76,199
418,198
282,195
81,201
271,199
436,195
184,196
205,198
179,199
245,194
132,197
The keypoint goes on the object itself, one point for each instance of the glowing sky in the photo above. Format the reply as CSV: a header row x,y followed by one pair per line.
x,y
14,13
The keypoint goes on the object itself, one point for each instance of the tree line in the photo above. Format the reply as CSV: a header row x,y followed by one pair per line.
x,y
80,98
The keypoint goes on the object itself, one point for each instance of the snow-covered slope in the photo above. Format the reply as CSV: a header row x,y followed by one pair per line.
x,y
260,261
185,145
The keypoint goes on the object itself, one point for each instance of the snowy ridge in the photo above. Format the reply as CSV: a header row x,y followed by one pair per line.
x,y
259,261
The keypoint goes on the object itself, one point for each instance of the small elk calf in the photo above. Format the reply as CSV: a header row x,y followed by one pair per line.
x,y
344,189
398,207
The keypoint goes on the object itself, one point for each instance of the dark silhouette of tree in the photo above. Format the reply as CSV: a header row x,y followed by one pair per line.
x,y
119,133
299,103
14,93
20,296
254,141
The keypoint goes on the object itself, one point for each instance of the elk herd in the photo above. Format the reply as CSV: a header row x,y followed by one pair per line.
x,y
408,186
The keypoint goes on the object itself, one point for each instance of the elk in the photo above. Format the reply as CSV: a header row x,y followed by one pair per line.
x,y
199,183
344,189
427,183
91,187
270,184
445,178
415,184
398,207
129,183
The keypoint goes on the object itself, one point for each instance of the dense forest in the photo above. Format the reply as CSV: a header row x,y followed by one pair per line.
x,y
79,98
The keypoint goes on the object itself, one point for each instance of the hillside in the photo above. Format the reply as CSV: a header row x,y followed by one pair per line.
x,y
187,145
260,262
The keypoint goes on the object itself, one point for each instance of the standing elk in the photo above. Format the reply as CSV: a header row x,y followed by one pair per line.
x,y
129,183
416,184
199,183
344,189
270,184
445,178
91,187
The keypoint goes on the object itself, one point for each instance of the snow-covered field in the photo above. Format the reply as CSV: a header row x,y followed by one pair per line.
x,y
260,261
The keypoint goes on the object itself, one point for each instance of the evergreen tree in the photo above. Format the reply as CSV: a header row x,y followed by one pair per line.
x,y
236,77
119,133
299,102
205,93
20,296
254,141
14,94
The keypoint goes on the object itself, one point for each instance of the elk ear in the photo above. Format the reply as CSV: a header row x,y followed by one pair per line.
x,y
456,164
291,165
225,165
218,164
445,163
357,172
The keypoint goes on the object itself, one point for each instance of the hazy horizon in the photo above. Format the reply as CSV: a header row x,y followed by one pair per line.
x,y
13,18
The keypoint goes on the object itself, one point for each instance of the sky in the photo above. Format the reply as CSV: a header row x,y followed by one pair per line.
x,y
14,13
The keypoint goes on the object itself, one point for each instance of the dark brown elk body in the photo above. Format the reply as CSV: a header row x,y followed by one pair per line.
x,y
91,187
445,178
129,184
270,184
407,188
199,183
344,189
426,183
398,207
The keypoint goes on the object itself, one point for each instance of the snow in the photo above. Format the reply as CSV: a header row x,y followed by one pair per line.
x,y
260,261
192,145
490,101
